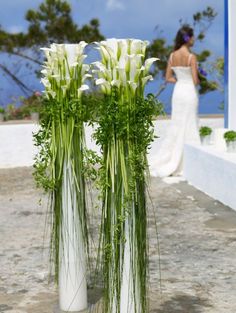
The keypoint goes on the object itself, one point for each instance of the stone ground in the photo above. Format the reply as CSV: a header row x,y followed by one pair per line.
x,y
197,243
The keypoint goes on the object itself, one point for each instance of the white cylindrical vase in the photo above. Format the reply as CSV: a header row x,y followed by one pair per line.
x,y
129,282
72,270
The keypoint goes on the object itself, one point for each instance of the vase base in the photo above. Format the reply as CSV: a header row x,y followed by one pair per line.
x,y
58,310
92,308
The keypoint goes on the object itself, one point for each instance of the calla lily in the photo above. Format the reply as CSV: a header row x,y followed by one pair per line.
x,y
82,58
116,83
85,69
122,76
52,93
112,46
84,87
100,81
45,82
146,79
81,89
74,64
136,46
122,50
64,88
148,63
133,86
100,66
86,76
79,48
105,54
45,71
105,86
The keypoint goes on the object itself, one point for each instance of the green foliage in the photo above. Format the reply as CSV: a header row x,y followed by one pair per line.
x,y
206,85
219,66
22,107
203,56
230,136
205,131
125,133
45,26
2,109
51,22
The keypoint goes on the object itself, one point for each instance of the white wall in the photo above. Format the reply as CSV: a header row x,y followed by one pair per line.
x,y
232,65
212,171
17,149
16,145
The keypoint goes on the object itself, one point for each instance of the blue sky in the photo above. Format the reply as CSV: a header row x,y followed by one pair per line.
x,y
130,18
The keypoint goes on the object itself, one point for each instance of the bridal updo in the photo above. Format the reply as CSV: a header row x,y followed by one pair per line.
x,y
184,34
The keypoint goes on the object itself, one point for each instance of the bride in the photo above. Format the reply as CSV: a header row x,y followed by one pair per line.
x,y
181,70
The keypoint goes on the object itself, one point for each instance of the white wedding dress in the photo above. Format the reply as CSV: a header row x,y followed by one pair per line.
x,y
183,126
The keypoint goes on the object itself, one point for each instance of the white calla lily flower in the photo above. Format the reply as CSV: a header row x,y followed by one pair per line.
x,y
81,89
99,65
86,76
133,86
45,82
100,81
104,52
146,79
148,63
84,87
116,83
122,76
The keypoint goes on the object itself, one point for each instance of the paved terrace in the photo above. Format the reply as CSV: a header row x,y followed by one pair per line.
x,y
197,237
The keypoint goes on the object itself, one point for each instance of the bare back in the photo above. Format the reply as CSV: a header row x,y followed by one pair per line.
x,y
182,58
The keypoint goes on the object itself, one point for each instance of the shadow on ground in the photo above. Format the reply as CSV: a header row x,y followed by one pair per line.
x,y
183,304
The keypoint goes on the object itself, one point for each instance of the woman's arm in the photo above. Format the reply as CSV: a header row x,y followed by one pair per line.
x,y
169,74
194,68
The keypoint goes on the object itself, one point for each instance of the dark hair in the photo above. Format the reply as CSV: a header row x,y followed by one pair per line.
x,y
182,36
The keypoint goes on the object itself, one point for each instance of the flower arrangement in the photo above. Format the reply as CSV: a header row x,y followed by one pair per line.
x,y
124,133
59,165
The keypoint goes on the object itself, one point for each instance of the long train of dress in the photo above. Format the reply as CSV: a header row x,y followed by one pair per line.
x,y
183,126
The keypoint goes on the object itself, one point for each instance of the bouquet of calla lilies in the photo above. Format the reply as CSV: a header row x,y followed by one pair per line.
x,y
123,65
65,73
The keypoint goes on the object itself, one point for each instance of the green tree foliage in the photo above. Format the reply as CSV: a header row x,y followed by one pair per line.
x,y
201,21
51,22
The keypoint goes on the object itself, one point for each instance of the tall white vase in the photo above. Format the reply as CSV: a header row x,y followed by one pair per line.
x,y
127,301
72,271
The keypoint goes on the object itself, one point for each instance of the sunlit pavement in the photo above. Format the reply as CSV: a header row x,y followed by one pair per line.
x,y
196,238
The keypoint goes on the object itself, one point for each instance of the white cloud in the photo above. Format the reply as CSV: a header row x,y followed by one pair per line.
x,y
115,5
15,29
